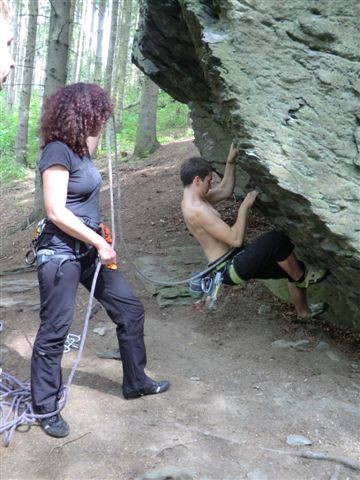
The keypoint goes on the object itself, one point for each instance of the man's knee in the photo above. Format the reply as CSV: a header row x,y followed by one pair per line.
x,y
282,245
276,237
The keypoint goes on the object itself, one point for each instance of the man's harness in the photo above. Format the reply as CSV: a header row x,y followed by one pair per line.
x,y
206,288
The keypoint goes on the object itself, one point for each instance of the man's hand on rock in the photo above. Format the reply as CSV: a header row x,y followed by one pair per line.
x,y
249,200
232,155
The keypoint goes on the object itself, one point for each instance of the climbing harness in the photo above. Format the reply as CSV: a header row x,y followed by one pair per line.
x,y
206,288
43,255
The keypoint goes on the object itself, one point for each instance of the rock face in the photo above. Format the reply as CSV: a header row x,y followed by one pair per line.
x,y
282,79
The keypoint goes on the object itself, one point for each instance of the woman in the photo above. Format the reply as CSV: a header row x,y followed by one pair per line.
x,y
68,246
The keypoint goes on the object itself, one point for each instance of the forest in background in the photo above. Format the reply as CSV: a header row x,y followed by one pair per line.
x,y
58,42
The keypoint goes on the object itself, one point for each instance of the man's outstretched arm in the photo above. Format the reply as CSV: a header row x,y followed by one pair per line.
x,y
233,236
227,184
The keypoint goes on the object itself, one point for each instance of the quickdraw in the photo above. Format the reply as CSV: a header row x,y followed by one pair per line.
x,y
206,289
72,341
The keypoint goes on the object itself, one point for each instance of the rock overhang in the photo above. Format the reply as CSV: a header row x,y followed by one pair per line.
x,y
282,81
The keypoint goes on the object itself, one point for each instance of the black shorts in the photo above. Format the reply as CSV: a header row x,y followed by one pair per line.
x,y
259,258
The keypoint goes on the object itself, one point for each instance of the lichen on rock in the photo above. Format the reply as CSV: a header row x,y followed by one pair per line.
x,y
283,81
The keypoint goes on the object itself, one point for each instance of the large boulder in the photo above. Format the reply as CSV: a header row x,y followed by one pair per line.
x,y
281,79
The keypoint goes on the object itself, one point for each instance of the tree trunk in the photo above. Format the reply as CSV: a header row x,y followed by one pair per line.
x,y
78,42
42,44
98,59
23,121
112,42
122,59
80,51
11,90
56,69
89,54
20,55
73,8
75,28
146,141
58,46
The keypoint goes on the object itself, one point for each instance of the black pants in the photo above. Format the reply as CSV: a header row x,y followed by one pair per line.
x,y
259,259
57,297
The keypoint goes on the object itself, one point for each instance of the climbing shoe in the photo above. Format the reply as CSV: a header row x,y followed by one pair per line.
x,y
152,388
55,426
312,276
316,309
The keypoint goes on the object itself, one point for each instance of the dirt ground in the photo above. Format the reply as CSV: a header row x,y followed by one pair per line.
x,y
242,378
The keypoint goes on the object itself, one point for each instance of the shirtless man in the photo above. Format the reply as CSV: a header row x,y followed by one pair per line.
x,y
6,60
270,256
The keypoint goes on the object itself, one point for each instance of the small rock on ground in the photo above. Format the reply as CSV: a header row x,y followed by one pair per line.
x,y
167,473
295,440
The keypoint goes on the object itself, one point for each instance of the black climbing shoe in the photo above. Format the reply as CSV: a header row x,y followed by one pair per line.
x,y
151,388
55,426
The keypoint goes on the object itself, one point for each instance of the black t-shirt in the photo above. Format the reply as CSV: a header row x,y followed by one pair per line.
x,y
83,195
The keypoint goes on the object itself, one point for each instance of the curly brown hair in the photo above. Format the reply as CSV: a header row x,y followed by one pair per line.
x,y
73,113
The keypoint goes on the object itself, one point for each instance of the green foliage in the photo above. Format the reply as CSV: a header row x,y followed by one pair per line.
x,y
9,169
126,138
172,120
172,124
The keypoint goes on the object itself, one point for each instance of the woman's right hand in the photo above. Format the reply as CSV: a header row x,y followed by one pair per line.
x,y
106,253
